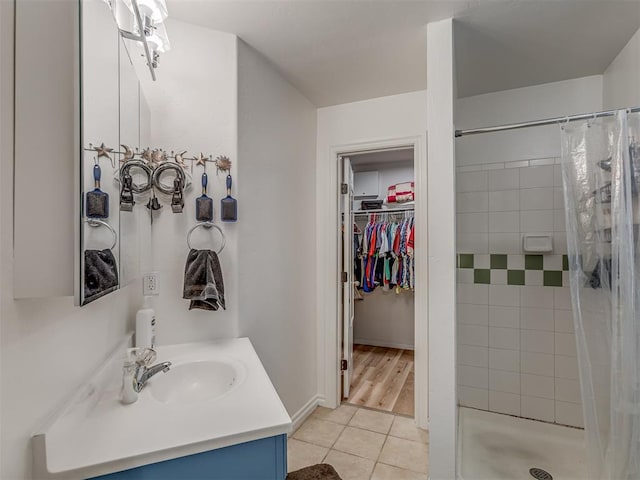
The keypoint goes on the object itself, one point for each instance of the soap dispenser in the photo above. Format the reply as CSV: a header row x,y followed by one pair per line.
x,y
146,326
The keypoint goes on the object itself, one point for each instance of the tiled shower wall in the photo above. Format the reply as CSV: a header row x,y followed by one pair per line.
x,y
516,346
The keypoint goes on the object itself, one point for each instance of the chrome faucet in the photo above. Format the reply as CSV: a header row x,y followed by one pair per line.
x,y
136,372
144,373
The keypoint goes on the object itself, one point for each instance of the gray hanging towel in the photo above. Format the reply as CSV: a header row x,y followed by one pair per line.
x,y
100,274
203,283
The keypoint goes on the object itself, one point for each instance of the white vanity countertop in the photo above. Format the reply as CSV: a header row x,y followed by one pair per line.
x,y
97,434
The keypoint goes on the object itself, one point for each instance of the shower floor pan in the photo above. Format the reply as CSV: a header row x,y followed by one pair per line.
x,y
502,447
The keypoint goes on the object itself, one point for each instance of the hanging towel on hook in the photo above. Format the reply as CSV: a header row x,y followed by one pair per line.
x,y
203,283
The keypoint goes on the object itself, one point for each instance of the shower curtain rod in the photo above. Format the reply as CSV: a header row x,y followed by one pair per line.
x,y
539,123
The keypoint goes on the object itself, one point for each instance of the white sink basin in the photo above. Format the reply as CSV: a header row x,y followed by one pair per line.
x,y
197,381
216,394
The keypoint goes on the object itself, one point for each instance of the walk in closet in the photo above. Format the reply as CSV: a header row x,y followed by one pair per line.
x,y
381,228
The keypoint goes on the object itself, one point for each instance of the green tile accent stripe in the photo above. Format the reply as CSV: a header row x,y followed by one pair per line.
x,y
498,261
552,278
515,277
482,275
465,260
533,262
485,267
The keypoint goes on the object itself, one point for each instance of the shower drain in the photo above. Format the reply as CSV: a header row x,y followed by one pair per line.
x,y
540,474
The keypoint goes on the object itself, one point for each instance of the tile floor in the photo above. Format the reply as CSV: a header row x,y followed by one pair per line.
x,y
361,444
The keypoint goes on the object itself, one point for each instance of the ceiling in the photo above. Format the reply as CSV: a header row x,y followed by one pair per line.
x,y
344,51
402,157
332,51
531,42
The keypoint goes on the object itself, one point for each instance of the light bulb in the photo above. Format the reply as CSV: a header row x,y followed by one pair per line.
x,y
155,9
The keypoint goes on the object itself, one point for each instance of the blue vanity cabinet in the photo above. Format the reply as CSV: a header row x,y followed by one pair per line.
x,y
263,459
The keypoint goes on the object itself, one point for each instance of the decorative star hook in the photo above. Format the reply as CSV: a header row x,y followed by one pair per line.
x,y
201,160
103,151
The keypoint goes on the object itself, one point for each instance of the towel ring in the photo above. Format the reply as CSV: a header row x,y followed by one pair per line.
x,y
206,225
94,222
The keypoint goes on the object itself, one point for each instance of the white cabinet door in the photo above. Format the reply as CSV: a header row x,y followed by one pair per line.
x,y
347,268
46,152
365,184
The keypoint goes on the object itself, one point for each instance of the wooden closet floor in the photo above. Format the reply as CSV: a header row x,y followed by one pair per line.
x,y
383,379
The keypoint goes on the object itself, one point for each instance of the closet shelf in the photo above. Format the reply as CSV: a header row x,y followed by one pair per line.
x,y
384,210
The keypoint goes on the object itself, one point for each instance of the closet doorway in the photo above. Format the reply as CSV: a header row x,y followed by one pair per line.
x,y
378,279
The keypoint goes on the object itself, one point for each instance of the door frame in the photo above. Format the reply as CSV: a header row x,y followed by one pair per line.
x,y
330,357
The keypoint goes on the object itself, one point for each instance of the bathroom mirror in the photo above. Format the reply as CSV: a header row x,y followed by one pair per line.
x,y
114,121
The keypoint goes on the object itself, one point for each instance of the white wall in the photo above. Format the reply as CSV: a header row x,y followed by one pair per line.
x,y
621,86
393,119
570,97
516,342
48,346
497,206
441,231
516,346
6,150
193,108
276,226
385,318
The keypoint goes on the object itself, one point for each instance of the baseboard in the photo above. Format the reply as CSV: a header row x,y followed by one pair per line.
x,y
307,409
379,343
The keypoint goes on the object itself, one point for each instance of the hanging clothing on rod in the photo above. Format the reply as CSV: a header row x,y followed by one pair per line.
x,y
384,253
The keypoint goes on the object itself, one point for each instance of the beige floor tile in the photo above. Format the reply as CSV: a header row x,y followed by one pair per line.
x,y
387,472
350,467
302,454
363,443
405,454
372,420
404,427
341,415
319,432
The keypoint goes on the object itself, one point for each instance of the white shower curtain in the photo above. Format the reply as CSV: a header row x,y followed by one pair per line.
x,y
601,174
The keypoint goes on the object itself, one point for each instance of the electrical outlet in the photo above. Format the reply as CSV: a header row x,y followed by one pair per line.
x,y
150,284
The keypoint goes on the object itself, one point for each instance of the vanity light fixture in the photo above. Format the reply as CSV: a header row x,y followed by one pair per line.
x,y
153,10
149,29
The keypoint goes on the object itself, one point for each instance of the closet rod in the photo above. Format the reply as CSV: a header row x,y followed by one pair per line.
x,y
382,210
539,123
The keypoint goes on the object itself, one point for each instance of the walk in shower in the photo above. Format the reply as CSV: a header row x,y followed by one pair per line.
x,y
548,332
